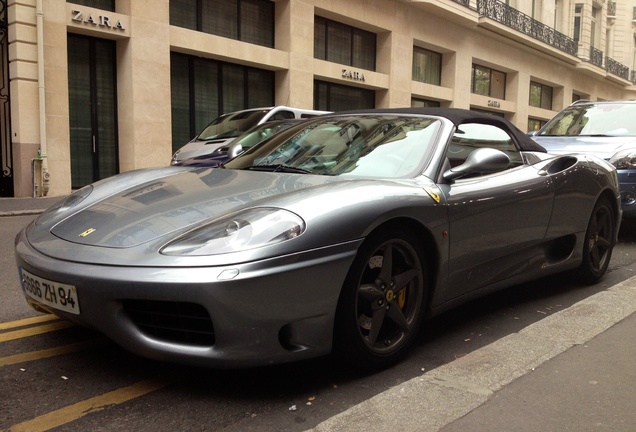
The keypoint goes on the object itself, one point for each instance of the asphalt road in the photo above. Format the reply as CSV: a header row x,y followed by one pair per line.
x,y
55,375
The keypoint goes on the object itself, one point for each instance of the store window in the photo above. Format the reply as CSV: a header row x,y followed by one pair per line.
x,y
336,97
540,95
340,43
422,103
488,82
92,109
203,89
578,15
535,124
108,5
250,21
427,66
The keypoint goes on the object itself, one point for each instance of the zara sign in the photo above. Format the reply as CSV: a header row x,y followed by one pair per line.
x,y
97,20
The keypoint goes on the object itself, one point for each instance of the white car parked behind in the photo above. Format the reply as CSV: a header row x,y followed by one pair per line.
x,y
225,128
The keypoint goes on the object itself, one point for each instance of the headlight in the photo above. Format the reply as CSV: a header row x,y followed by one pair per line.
x,y
71,201
250,229
625,159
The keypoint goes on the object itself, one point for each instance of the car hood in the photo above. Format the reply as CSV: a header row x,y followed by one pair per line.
x,y
185,199
602,147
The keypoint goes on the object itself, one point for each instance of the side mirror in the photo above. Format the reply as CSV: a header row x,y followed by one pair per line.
x,y
234,150
481,160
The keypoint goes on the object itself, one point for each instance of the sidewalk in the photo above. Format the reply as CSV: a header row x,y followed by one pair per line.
x,y
572,371
26,206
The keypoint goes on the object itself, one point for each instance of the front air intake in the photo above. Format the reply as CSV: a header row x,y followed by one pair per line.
x,y
176,322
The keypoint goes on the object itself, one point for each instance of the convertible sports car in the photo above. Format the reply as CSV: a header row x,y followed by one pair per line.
x,y
341,234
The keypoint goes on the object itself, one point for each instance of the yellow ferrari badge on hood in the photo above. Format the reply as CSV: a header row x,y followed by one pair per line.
x,y
87,232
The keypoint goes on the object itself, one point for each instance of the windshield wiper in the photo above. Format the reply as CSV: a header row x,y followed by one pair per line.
x,y
280,168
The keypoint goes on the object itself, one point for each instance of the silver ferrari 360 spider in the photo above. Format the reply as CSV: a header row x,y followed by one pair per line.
x,y
340,235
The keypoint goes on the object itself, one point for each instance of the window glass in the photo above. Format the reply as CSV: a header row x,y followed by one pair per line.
x,y
367,146
183,13
488,82
92,109
108,5
607,119
339,43
421,103
250,21
540,95
535,124
337,97
497,84
427,66
203,89
471,136
481,81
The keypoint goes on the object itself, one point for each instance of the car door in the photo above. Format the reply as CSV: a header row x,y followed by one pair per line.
x,y
495,220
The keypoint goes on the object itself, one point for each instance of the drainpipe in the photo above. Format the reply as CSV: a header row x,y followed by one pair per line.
x,y
41,97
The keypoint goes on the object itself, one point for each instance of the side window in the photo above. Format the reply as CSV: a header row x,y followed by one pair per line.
x,y
471,136
282,115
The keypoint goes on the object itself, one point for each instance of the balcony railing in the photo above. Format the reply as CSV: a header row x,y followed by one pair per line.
x,y
511,17
611,9
596,57
616,68
463,2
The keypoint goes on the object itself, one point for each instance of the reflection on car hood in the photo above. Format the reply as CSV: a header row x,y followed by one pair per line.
x,y
602,147
186,199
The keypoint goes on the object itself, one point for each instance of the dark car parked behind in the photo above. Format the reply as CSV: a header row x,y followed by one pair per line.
x,y
604,129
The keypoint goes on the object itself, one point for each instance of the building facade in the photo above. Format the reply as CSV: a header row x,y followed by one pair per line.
x,y
91,88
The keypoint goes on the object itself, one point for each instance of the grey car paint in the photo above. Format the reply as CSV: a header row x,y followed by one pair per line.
x,y
279,303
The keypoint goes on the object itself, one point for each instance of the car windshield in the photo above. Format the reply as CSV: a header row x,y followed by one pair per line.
x,y
604,119
361,145
231,125
262,132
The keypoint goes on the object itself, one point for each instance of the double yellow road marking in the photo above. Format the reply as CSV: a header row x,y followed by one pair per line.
x,y
48,323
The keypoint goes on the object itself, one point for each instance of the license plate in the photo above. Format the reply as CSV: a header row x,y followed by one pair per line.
x,y
54,294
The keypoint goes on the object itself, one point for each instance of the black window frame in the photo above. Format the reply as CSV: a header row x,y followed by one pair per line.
x,y
222,104
268,20
490,72
354,59
324,102
107,5
438,79
545,96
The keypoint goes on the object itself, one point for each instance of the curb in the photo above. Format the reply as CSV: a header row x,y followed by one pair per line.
x,y
21,212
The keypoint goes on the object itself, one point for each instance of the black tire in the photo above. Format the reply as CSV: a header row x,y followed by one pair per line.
x,y
380,307
598,242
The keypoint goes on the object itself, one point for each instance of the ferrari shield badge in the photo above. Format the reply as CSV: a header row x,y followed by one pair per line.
x,y
433,193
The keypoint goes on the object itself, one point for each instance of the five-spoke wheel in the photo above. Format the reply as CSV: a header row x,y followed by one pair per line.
x,y
381,304
599,242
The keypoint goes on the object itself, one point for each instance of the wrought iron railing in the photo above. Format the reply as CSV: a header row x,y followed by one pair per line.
x,y
511,17
633,77
616,68
611,9
596,57
463,2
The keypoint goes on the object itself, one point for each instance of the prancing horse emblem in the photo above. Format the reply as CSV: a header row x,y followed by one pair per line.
x,y
87,232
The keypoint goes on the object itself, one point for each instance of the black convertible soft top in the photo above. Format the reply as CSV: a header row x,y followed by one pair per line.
x,y
459,116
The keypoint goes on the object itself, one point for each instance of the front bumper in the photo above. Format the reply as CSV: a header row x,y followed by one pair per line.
x,y
272,311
